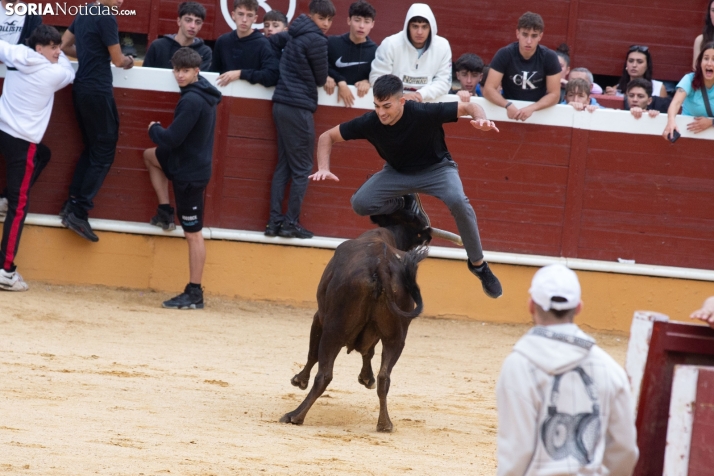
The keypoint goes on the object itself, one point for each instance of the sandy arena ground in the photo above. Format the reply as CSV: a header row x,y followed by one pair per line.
x,y
103,381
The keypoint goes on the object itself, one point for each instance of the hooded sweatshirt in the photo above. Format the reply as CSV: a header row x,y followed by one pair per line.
x,y
252,55
349,62
29,90
430,73
555,378
189,138
303,64
162,49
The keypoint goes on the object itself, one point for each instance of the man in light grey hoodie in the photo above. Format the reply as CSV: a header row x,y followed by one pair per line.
x,y
564,405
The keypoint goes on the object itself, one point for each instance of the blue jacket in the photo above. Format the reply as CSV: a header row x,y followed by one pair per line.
x,y
189,139
303,65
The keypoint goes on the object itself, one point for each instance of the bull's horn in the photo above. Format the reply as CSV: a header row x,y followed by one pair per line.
x,y
447,235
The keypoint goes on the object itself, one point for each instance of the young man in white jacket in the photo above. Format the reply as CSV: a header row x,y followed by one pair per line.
x,y
34,73
417,56
564,405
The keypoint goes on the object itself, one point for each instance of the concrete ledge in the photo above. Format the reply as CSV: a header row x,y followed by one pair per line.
x,y
290,274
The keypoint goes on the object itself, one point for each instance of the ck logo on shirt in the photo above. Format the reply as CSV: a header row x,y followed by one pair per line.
x,y
525,80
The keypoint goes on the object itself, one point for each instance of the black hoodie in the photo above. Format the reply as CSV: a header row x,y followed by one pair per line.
x,y
162,49
303,65
348,61
252,55
189,138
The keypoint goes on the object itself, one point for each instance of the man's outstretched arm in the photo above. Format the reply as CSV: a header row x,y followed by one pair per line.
x,y
324,149
479,120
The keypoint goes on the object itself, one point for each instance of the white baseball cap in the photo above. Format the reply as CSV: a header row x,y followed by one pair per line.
x,y
553,281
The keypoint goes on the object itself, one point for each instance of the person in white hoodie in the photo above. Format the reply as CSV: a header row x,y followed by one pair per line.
x,y
34,73
564,405
417,56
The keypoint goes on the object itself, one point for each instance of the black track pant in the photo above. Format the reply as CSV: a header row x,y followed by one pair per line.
x,y
99,122
24,162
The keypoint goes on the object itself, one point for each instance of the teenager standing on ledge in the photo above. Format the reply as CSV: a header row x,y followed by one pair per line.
x,y
93,38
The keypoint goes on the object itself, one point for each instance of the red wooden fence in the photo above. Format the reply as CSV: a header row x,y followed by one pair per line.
x,y
536,189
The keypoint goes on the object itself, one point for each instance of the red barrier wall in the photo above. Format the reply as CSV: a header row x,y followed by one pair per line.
x,y
536,189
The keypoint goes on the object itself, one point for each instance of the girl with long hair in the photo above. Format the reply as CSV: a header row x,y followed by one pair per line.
x,y
690,95
638,64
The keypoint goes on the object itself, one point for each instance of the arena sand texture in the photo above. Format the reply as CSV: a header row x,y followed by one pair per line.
x,y
104,381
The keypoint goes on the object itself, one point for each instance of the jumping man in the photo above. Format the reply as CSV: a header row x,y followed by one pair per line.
x,y
409,136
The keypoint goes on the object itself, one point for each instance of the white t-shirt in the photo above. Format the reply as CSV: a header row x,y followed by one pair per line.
x,y
11,27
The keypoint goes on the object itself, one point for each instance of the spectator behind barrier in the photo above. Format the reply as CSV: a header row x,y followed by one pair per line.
x,y
469,73
563,53
184,155
707,35
639,99
638,64
191,16
245,53
274,22
706,313
584,73
564,405
690,96
350,55
526,70
303,68
93,38
417,56
577,94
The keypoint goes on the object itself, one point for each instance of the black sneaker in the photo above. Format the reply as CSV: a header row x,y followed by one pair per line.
x,y
65,209
412,202
489,281
164,219
294,230
273,228
79,226
190,298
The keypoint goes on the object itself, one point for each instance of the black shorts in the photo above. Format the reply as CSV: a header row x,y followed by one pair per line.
x,y
162,155
189,204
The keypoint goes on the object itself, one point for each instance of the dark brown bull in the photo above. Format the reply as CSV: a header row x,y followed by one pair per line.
x,y
367,293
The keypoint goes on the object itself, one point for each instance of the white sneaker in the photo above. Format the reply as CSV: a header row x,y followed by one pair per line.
x,y
3,206
12,281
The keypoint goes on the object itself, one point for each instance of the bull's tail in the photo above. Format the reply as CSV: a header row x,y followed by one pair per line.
x,y
407,276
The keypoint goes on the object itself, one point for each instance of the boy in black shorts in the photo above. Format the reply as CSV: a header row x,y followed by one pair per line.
x,y
183,156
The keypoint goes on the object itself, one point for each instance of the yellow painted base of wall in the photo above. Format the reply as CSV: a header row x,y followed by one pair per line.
x,y
291,274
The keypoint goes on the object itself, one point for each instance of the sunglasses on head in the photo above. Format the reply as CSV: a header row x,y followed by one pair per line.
x,y
641,49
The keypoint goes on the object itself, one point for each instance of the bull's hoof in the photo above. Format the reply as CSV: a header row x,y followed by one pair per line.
x,y
298,383
385,427
290,418
367,382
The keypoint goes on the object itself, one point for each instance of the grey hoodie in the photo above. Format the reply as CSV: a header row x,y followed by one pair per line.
x,y
564,408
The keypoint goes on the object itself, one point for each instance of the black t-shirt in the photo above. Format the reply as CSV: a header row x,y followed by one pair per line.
x,y
525,80
94,34
415,142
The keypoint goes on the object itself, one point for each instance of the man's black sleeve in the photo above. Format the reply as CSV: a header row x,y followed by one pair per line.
x,y
187,113
316,53
332,56
206,57
500,60
216,61
356,128
269,70
150,60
